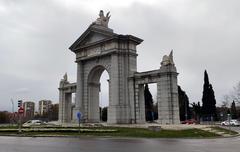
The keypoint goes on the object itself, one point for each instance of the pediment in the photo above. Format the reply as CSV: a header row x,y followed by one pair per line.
x,y
92,35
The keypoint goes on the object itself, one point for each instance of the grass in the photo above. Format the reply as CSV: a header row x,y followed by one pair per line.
x,y
226,131
139,132
111,132
9,126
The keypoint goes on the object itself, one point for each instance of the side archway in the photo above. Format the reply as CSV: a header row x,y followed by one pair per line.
x,y
93,92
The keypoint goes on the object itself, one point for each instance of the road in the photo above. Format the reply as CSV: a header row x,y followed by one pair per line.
x,y
52,144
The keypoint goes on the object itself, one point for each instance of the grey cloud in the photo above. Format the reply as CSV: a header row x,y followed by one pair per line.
x,y
22,90
35,36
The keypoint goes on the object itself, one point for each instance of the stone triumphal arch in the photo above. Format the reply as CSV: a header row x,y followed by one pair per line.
x,y
99,49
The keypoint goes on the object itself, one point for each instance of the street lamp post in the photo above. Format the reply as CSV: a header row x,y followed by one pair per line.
x,y
12,111
12,105
229,119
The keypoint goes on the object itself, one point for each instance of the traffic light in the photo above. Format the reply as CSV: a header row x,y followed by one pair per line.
x,y
19,103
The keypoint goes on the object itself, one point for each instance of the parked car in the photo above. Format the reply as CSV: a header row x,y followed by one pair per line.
x,y
33,123
225,123
190,121
233,122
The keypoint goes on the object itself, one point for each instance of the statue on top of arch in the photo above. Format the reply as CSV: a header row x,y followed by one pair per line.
x,y
65,78
168,59
102,20
64,81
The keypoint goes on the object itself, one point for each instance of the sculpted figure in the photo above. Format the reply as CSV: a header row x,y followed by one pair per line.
x,y
65,77
102,20
168,59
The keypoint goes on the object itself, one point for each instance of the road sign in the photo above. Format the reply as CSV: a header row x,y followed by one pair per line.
x,y
79,115
21,110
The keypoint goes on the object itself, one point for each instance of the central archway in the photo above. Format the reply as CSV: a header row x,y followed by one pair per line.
x,y
104,96
94,86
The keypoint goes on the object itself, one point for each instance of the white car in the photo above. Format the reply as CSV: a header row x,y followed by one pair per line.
x,y
225,123
233,122
33,123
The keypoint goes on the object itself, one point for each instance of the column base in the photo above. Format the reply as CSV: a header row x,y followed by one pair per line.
x,y
74,115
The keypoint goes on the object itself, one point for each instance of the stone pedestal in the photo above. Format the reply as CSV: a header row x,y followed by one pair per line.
x,y
65,103
167,96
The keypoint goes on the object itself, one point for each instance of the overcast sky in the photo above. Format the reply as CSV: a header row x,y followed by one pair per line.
x,y
35,36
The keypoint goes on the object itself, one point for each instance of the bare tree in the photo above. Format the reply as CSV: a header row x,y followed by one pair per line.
x,y
234,95
226,100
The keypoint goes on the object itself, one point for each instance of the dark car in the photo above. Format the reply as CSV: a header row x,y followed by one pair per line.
x,y
189,121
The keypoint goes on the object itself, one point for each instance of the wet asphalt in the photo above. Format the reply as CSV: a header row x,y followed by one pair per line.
x,y
87,144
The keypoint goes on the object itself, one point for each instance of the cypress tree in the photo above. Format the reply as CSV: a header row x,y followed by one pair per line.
x,y
212,101
208,99
233,110
205,94
148,104
104,114
183,104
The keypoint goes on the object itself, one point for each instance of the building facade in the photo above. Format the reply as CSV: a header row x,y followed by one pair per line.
x,y
44,107
29,108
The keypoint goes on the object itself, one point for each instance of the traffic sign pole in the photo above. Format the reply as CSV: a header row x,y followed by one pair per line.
x,y
20,113
79,125
79,118
229,125
20,124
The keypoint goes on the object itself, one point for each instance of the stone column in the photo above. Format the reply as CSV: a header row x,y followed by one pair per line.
x,y
93,115
79,104
113,111
61,101
67,108
141,104
109,96
167,96
132,100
